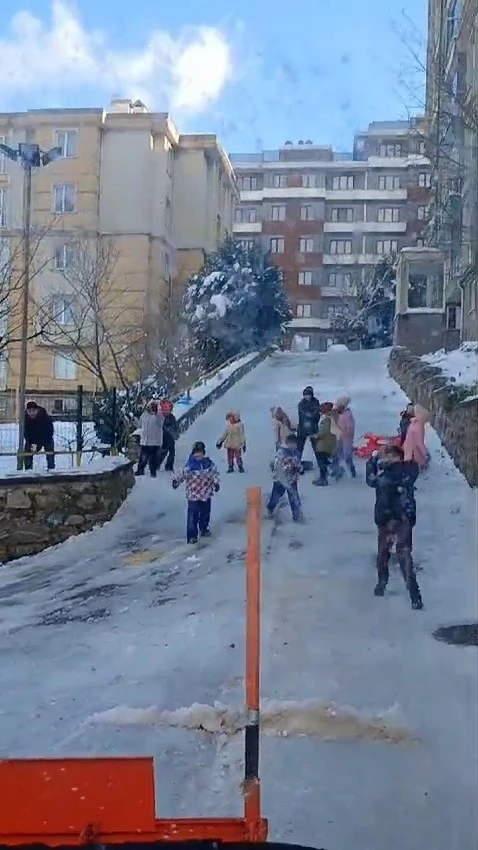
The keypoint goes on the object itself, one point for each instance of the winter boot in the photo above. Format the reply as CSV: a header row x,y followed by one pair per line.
x,y
230,468
206,533
193,540
379,589
415,595
320,482
240,467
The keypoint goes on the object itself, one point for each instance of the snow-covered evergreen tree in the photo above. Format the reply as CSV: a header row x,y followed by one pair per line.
x,y
236,302
370,319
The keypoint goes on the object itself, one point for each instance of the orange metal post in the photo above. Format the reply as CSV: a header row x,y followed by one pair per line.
x,y
252,791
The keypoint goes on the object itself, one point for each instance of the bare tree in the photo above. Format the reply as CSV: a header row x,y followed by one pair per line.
x,y
92,319
12,281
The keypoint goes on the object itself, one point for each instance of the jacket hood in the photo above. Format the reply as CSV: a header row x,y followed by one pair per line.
x,y
343,401
198,464
421,414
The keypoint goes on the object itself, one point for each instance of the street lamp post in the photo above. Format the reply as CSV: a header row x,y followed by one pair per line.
x,y
30,156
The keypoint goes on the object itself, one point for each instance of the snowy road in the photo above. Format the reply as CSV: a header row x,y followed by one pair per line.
x,y
93,626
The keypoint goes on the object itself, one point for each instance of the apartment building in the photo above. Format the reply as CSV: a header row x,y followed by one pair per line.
x,y
127,181
452,107
328,217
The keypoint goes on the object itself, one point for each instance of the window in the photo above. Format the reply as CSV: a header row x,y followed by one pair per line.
x,y
387,246
307,212
3,158
422,147
64,257
332,311
305,279
393,150
3,208
63,309
342,214
245,214
279,181
422,213
67,140
306,245
453,317
424,179
304,311
341,280
64,368
343,181
420,243
277,245
308,181
278,213
389,181
247,183
64,198
341,246
388,214
247,244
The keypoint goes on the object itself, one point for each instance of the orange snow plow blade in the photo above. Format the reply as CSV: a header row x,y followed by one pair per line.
x,y
108,800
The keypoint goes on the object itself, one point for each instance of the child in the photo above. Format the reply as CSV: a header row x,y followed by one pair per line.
x,y
406,417
170,435
286,468
202,481
395,516
345,446
414,444
151,439
234,441
325,443
282,426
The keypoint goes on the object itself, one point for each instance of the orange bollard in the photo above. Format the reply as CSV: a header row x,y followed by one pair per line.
x,y
252,791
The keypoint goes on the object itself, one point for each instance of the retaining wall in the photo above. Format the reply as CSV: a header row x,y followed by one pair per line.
x,y
454,413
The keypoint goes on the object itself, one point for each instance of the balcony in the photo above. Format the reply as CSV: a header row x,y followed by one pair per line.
x,y
351,259
310,323
365,227
247,227
286,193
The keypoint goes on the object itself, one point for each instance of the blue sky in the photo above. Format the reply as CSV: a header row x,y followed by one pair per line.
x,y
262,73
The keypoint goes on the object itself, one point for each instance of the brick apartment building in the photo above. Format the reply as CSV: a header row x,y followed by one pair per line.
x,y
327,217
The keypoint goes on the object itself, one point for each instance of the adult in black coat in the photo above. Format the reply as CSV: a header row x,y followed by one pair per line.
x,y
39,432
309,417
395,515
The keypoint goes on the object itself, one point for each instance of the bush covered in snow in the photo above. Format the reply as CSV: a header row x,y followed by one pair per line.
x,y
370,318
236,303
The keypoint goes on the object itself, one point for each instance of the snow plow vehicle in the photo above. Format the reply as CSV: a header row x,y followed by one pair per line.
x,y
110,801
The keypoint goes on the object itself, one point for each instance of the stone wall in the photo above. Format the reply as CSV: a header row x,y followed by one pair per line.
x,y
453,416
37,511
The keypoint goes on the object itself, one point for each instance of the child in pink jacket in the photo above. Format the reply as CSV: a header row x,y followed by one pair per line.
x,y
414,446
345,444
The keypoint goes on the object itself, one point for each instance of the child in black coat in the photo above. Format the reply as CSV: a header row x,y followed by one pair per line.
x,y
170,435
395,516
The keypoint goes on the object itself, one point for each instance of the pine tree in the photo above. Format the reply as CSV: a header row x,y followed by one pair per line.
x,y
370,319
236,302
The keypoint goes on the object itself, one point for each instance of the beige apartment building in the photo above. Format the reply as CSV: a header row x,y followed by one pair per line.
x,y
129,208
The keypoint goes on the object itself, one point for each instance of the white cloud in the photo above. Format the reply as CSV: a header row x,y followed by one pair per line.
x,y
186,73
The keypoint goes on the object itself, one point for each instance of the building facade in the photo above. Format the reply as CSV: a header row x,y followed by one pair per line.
x,y
132,203
327,217
452,108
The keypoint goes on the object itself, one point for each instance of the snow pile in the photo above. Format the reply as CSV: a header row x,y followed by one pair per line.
x,y
278,718
337,347
460,366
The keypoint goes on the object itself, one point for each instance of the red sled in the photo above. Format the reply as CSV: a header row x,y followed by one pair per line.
x,y
374,444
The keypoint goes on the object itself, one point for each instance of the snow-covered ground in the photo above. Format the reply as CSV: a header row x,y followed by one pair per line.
x,y
461,365
65,432
127,617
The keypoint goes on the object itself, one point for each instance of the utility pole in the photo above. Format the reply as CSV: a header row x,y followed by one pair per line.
x,y
29,156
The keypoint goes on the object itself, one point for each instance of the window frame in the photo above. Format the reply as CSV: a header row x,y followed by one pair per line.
x,y
56,187
305,282
280,243
281,215
339,178
56,356
279,181
303,310
382,217
336,243
391,251
306,240
64,132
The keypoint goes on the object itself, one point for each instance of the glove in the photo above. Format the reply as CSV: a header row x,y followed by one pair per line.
x,y
33,447
217,488
218,445
175,485
375,454
244,448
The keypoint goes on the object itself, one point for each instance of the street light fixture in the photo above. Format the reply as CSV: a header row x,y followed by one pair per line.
x,y
30,156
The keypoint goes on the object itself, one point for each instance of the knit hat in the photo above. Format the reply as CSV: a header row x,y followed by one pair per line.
x,y
199,448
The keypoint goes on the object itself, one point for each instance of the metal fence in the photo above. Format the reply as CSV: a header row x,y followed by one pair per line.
x,y
75,440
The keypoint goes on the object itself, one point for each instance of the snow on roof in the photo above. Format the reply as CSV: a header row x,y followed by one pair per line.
x,y
460,365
